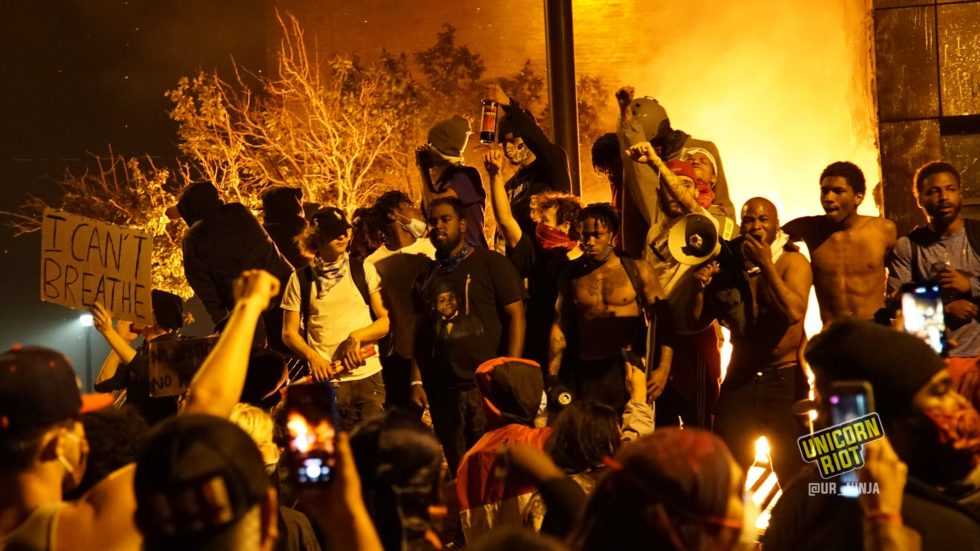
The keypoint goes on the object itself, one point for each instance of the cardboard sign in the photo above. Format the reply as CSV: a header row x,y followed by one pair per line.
x,y
173,363
85,261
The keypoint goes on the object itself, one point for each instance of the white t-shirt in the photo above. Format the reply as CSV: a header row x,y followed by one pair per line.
x,y
335,316
398,270
421,246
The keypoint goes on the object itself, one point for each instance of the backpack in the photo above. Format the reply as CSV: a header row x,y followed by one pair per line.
x,y
306,279
922,236
633,274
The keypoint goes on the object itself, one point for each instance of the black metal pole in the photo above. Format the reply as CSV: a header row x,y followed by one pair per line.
x,y
89,382
561,82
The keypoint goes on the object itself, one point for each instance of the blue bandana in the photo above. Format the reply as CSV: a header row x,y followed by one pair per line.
x,y
449,264
328,274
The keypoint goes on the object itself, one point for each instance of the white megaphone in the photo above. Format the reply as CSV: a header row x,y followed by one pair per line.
x,y
692,239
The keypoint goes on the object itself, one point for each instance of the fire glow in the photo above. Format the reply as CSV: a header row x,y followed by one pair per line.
x,y
761,484
782,88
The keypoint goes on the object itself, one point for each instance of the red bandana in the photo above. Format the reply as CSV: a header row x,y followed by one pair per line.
x,y
550,238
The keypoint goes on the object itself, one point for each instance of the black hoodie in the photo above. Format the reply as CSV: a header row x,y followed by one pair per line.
x,y
283,220
223,241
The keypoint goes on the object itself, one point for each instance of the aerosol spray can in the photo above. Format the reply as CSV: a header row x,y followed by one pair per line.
x,y
488,124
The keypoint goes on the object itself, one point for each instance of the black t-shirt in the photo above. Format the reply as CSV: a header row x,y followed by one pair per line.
x,y
540,268
537,177
548,171
135,378
461,320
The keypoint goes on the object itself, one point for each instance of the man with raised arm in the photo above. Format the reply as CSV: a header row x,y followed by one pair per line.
x,y
541,165
43,449
692,393
539,255
847,250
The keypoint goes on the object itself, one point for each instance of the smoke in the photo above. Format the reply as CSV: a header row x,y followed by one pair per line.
x,y
783,88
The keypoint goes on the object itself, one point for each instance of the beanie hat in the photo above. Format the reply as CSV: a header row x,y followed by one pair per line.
x,y
168,309
511,390
896,364
282,203
506,130
688,471
652,117
448,137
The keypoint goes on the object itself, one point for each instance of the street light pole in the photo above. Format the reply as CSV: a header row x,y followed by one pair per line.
x,y
561,82
87,322
89,382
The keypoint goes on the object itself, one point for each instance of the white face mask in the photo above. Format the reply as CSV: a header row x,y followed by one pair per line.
x,y
75,472
414,226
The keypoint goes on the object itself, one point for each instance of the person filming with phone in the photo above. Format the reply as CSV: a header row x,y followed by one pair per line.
x,y
932,429
945,252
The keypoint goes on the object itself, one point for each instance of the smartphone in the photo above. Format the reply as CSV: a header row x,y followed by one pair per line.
x,y
311,423
631,357
922,310
849,400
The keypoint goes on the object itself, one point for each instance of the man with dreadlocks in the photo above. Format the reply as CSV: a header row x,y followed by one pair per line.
x,y
602,300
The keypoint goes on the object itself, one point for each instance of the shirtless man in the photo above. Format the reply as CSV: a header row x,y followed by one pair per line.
x,y
599,309
847,250
759,292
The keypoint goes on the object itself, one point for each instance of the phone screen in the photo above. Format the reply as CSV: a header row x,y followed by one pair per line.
x,y
922,309
848,403
311,421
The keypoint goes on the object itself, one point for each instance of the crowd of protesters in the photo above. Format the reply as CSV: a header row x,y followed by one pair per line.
x,y
555,384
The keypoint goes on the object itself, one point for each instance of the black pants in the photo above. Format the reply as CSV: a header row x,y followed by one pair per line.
x,y
458,420
759,403
397,374
691,393
363,399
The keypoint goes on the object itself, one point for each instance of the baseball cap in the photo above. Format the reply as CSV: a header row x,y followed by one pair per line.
x,y
331,222
38,388
693,239
197,474
651,116
691,151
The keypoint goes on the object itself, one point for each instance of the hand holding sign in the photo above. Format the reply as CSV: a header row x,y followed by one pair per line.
x,y
101,318
256,286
